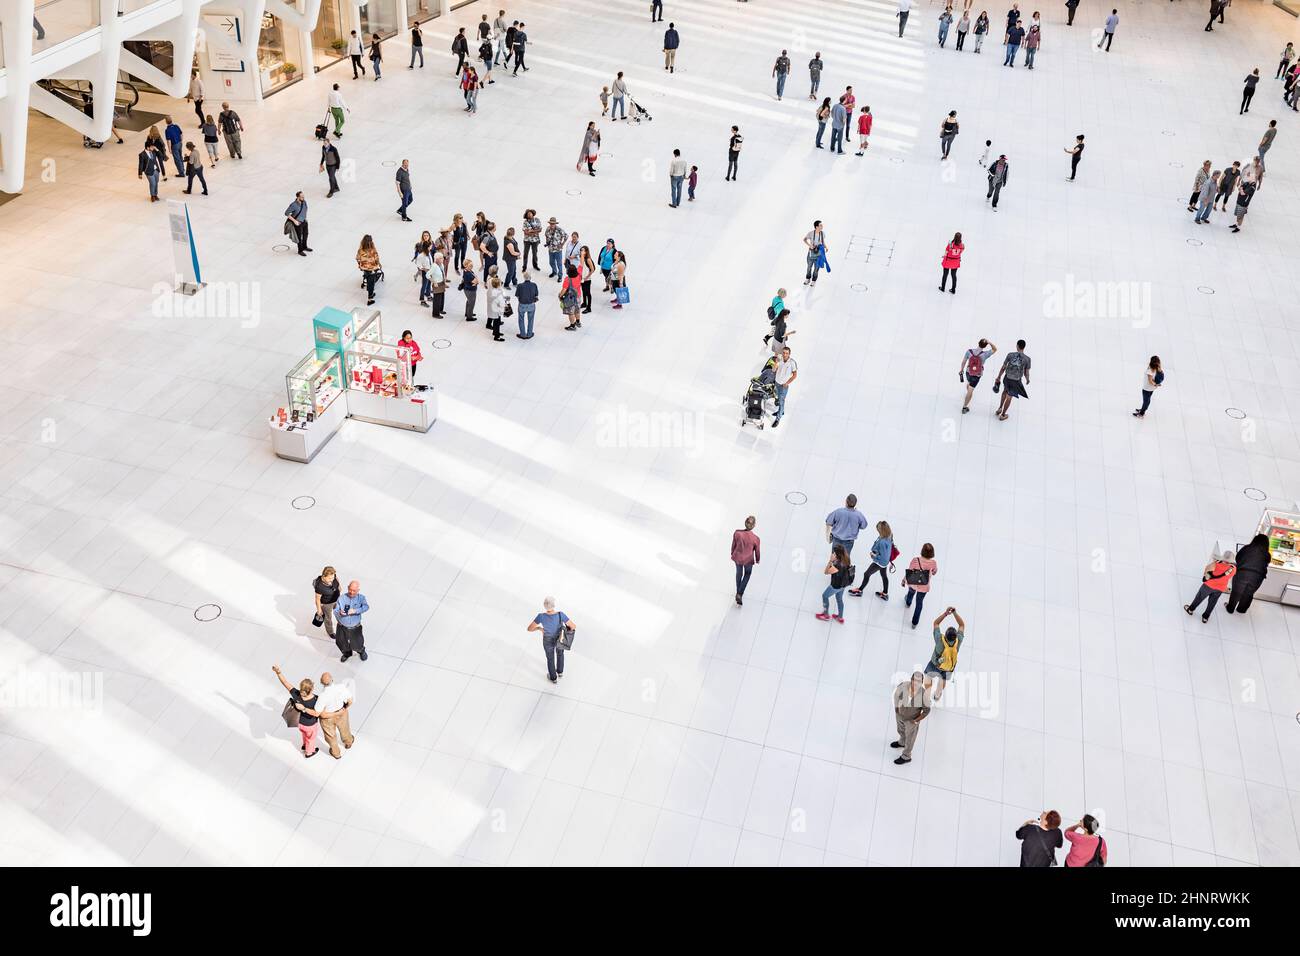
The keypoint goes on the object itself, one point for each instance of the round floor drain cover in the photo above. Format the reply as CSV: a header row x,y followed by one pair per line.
x,y
1176,164
390,162
796,497
896,159
573,192
859,287
1234,413
442,343
207,612
1195,242
1254,494
303,502
280,247
1204,290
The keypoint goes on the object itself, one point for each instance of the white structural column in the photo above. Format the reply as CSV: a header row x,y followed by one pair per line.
x,y
15,97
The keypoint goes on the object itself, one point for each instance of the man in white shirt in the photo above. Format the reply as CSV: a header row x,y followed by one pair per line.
x,y
676,174
354,51
904,8
337,108
335,698
787,370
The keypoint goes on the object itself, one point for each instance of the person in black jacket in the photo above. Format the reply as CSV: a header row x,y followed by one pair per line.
x,y
997,179
460,46
671,42
329,163
149,166
1252,569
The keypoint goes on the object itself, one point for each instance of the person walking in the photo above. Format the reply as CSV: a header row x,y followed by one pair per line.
x,y
1252,568
1209,189
843,525
619,90
997,179
1245,192
692,181
368,263
553,624
920,570
963,27
376,55
1248,93
209,130
781,70
865,119
947,643
671,42
1152,378
509,47
1071,6
337,107
355,53
194,169
417,46
815,66
1202,175
329,164
232,128
1108,32
904,8
882,555
815,241
521,44
676,174
945,21
588,135
1216,577
334,700
1288,54
149,167
745,553
532,236
296,214
459,46
1033,39
304,700
510,255
195,96
175,136
1012,378
733,154
981,29
948,130
1086,847
555,249
351,638
1015,33
1040,839
786,371
1266,141
841,572
1216,8
972,368
912,705
951,262
839,119
1228,184
485,55
1076,155
404,189
823,117
656,11
325,591
526,295
500,30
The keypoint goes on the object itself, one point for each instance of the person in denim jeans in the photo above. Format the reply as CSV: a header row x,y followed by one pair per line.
x,y
843,524
840,570
745,553
620,97
526,296
881,554
786,372
925,562
555,249
550,622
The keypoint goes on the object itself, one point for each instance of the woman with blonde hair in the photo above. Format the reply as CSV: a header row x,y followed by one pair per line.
x,y
326,593
496,305
368,263
303,697
882,553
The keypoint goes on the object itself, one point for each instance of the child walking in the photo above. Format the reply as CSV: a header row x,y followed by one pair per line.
x,y
690,183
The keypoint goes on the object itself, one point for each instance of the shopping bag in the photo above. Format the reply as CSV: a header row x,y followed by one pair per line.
x,y
566,637
621,294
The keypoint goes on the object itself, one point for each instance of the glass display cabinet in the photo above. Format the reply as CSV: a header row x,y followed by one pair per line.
x,y
1282,584
315,408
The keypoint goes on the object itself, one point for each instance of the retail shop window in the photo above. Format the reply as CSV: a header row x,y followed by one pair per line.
x,y
278,55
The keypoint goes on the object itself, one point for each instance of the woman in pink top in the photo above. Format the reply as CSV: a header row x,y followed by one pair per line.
x,y
744,554
1085,844
917,578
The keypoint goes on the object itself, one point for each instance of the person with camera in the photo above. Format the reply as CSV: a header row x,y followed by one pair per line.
x,y
554,626
946,645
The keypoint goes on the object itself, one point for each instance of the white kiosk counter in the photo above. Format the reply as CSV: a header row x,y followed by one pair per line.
x,y
378,377
316,410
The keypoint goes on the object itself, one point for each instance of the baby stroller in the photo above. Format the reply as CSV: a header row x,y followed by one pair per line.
x,y
639,112
759,401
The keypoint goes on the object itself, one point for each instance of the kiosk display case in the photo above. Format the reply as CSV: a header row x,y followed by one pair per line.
x,y
378,375
315,407
1283,581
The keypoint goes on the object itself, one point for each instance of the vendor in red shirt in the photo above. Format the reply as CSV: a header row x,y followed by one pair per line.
x,y
408,342
744,554
864,129
952,262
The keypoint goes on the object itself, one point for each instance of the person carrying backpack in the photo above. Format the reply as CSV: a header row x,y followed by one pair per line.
x,y
1086,847
841,570
1152,378
1012,378
883,553
946,645
972,369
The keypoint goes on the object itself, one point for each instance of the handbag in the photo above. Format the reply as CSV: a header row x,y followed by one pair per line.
x,y
622,295
565,640
915,576
290,714
510,310
317,620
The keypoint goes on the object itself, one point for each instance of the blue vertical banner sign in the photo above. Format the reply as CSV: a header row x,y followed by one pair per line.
x,y
185,254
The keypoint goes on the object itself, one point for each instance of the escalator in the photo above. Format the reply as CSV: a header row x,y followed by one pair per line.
x,y
78,94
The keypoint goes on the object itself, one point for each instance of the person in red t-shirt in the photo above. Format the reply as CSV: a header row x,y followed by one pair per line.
x,y
952,262
864,129
744,554
409,344
1214,581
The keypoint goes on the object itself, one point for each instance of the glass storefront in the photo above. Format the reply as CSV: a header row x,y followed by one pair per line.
x,y
57,20
157,53
278,55
379,16
329,39
421,10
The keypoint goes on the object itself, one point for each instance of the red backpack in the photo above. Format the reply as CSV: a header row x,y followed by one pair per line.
x,y
974,363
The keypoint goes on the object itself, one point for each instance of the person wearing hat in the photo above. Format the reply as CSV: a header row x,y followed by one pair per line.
x,y
946,645
555,248
911,706
1216,577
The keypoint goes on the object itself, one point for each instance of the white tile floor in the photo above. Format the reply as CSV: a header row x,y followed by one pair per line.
x,y
138,483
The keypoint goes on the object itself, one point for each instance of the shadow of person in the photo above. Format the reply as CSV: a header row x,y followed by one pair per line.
x,y
264,718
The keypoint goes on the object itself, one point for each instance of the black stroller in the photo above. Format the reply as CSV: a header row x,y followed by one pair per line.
x,y
759,401
639,112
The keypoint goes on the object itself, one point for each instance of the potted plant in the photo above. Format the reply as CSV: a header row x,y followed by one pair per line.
x,y
339,45
289,69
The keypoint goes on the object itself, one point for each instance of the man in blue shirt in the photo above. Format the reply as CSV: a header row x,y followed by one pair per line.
x,y
551,622
843,524
349,609
174,136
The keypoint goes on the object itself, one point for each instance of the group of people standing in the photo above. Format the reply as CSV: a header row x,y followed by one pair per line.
x,y
160,146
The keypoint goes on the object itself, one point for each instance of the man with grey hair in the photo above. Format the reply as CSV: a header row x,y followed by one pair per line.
x,y
348,610
911,706
335,699
551,622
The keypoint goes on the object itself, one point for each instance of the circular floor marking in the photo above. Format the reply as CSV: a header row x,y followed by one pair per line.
x,y
573,192
442,343
1254,494
207,612
1195,242
280,247
859,287
796,497
390,162
1204,290
1234,413
1176,164
303,502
